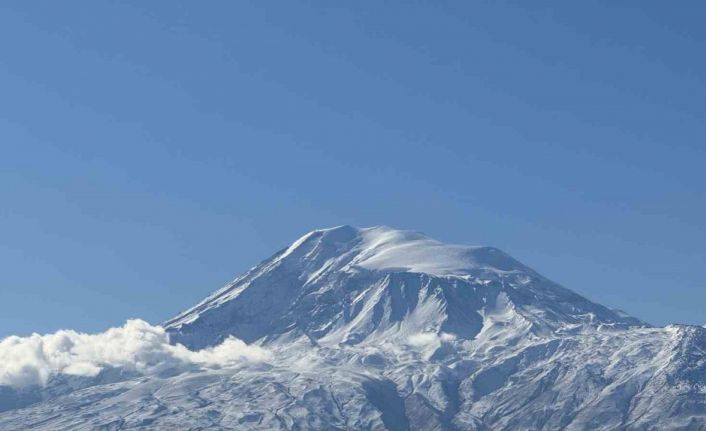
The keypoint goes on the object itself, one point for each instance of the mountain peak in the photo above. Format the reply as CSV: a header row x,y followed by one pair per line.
x,y
385,249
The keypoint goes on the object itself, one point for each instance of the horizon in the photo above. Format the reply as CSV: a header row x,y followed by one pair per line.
x,y
152,152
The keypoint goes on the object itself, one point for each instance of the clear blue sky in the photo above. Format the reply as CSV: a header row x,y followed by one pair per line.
x,y
150,151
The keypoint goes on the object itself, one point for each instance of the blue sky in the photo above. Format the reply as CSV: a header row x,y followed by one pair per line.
x,y
150,151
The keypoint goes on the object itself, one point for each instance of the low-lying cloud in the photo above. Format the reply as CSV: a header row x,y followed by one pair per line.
x,y
425,340
136,346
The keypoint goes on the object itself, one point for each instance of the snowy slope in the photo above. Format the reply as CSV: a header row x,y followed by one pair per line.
x,y
380,329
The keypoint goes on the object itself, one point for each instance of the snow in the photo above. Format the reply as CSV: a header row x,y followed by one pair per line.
x,y
386,249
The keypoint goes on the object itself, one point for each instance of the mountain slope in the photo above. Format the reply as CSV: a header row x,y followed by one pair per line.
x,y
373,329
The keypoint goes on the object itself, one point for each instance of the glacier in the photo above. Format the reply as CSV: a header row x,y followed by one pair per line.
x,y
367,329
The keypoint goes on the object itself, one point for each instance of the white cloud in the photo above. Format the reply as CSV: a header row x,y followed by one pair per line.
x,y
429,341
136,346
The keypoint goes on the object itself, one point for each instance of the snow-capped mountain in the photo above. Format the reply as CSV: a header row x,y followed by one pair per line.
x,y
374,329
347,285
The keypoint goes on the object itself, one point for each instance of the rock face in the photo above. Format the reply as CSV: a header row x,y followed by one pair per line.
x,y
374,329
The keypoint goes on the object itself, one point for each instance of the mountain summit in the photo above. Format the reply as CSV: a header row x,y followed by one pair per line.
x,y
346,285
369,329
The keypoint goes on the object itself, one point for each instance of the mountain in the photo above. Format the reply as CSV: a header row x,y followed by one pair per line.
x,y
347,285
382,329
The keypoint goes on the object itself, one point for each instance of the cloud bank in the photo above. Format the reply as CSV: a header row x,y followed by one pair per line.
x,y
136,346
